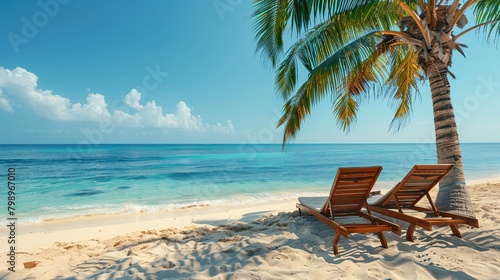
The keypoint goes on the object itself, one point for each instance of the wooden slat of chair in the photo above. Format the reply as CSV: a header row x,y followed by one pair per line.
x,y
350,189
410,191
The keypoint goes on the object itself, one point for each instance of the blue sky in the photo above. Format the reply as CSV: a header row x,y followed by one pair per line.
x,y
186,72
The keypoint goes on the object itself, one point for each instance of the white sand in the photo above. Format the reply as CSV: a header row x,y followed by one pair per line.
x,y
266,241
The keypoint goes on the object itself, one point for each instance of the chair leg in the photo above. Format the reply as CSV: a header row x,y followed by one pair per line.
x,y
455,230
336,242
410,231
382,239
300,212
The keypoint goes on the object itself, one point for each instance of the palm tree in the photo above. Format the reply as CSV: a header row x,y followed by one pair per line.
x,y
354,48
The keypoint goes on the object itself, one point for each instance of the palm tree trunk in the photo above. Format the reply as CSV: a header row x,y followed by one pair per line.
x,y
453,195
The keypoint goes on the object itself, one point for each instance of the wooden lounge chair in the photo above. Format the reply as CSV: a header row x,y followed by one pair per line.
x,y
407,193
348,195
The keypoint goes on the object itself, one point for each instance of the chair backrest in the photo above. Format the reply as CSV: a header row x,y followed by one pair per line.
x,y
350,189
415,185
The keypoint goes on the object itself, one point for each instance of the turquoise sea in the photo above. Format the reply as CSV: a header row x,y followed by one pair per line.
x,y
57,181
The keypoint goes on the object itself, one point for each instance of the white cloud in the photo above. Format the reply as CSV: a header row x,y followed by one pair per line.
x,y
151,115
4,103
95,109
223,129
132,99
21,86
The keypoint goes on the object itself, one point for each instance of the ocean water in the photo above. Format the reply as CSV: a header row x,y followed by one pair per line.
x,y
57,181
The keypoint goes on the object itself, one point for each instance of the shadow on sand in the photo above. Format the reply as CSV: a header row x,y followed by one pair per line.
x,y
235,248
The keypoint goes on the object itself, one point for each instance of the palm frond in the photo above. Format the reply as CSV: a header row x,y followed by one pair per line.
x,y
479,26
452,10
343,27
324,39
459,14
431,16
308,12
422,5
412,4
351,47
488,11
271,18
359,82
294,112
345,108
402,83
301,14
424,30
286,76
329,76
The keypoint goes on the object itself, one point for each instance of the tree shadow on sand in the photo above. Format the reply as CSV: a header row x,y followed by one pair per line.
x,y
295,247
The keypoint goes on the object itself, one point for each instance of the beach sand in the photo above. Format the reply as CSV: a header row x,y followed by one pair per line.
x,y
268,241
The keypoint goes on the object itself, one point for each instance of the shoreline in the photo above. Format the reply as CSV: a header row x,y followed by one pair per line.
x,y
266,240
170,212
180,217
121,217
106,226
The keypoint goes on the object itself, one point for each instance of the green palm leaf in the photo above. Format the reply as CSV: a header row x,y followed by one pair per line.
x,y
325,38
359,82
330,76
402,83
355,46
271,18
350,48
488,11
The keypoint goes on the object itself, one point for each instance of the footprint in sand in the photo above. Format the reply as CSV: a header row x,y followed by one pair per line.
x,y
424,257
